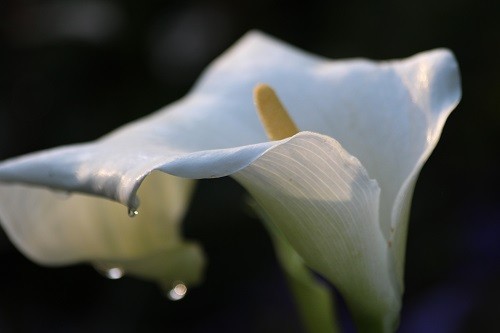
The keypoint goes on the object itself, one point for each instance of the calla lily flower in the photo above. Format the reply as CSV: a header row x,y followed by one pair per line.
x,y
338,191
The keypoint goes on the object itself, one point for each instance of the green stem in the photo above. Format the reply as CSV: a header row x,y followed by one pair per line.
x,y
314,300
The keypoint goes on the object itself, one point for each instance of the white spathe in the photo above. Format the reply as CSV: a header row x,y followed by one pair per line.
x,y
55,228
340,191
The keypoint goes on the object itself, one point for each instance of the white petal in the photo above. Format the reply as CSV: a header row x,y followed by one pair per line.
x,y
323,201
56,228
435,87
370,108
116,169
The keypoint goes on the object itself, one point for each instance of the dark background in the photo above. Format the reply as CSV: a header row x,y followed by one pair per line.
x,y
71,71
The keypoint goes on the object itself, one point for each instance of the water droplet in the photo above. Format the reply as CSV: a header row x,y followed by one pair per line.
x,y
132,212
113,273
178,291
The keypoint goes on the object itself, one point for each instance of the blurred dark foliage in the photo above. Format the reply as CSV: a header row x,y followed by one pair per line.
x,y
99,64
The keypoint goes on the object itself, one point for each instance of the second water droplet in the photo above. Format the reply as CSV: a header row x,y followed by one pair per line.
x,y
113,273
177,292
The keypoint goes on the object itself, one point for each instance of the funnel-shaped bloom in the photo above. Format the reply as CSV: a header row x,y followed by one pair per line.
x,y
339,192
